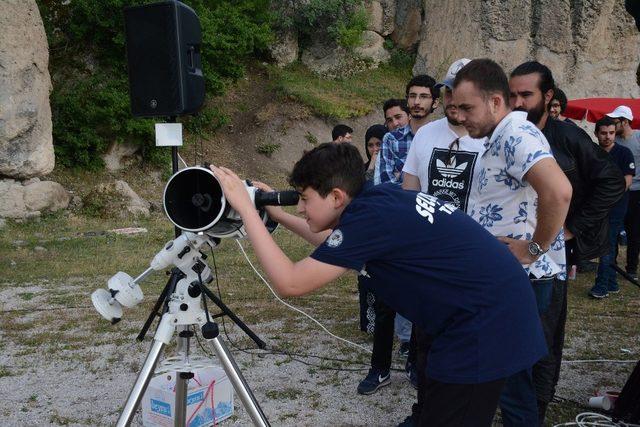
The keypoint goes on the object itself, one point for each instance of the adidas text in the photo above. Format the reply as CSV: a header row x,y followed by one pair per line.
x,y
448,183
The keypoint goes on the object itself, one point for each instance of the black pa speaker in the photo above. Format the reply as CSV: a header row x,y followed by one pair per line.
x,y
163,54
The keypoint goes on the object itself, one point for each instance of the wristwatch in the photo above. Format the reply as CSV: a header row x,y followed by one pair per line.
x,y
535,250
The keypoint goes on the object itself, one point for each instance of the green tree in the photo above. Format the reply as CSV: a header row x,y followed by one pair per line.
x,y
90,101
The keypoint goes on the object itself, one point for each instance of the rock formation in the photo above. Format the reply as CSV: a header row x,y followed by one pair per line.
x,y
590,45
31,198
26,146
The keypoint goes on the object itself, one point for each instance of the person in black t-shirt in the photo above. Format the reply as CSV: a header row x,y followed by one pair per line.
x,y
605,131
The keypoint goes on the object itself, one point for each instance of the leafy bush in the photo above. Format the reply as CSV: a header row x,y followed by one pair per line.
x,y
90,101
341,21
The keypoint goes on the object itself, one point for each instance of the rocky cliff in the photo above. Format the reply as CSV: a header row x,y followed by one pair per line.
x,y
590,45
26,146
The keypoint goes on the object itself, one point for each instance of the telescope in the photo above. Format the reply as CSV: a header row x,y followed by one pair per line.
x,y
193,201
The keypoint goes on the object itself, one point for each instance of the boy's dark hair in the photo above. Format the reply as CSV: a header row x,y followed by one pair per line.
x,y
393,102
604,121
329,166
561,97
546,77
486,75
424,80
340,130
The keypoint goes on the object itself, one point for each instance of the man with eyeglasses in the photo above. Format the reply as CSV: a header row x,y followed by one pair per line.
x,y
442,162
422,98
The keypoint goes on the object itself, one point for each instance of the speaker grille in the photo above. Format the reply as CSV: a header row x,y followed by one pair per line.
x,y
154,59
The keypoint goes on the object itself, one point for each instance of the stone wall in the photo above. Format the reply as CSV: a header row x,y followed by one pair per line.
x,y
26,146
590,45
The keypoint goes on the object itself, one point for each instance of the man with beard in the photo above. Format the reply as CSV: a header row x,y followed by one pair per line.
x,y
442,162
521,196
422,99
597,185
627,137
443,157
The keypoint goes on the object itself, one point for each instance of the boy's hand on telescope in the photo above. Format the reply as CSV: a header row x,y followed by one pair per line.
x,y
234,190
262,186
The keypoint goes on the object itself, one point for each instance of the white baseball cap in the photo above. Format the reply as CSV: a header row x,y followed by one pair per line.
x,y
452,71
621,111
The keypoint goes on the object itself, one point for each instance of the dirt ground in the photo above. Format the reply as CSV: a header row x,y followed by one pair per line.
x,y
63,365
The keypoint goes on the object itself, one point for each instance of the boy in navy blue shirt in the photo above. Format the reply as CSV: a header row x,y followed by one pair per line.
x,y
427,260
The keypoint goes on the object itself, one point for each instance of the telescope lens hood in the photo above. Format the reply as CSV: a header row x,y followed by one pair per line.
x,y
193,199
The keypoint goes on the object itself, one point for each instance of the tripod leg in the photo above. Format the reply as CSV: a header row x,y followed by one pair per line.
x,y
182,378
135,396
239,383
162,337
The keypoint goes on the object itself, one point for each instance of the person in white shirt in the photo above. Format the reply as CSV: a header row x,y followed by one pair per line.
x,y
443,158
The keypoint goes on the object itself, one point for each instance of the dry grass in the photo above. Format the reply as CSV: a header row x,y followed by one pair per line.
x,y
46,310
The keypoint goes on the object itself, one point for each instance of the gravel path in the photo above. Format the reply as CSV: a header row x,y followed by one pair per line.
x,y
61,366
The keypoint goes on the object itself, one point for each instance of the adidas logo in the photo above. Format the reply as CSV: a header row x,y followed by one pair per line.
x,y
452,170
448,183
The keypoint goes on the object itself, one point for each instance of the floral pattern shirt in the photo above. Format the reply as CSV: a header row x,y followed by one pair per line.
x,y
502,201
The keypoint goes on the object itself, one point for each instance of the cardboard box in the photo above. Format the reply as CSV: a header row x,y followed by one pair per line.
x,y
209,399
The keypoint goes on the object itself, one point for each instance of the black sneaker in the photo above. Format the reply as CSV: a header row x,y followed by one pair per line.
x,y
373,381
598,292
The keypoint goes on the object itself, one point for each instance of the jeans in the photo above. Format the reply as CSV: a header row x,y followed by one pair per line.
x,y
547,371
518,401
382,336
606,277
403,328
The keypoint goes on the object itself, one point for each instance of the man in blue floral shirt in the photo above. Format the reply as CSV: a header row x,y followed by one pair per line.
x,y
521,196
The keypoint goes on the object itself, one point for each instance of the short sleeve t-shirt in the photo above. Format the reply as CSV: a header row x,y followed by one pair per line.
x,y
633,144
442,271
622,157
502,200
445,170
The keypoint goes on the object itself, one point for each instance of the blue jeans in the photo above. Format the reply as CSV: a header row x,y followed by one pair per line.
x,y
402,328
518,401
606,278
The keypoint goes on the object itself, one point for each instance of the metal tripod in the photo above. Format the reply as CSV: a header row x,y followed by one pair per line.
x,y
181,309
